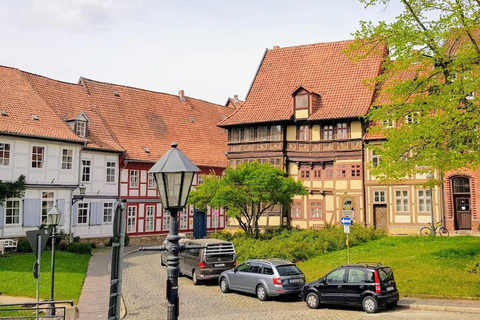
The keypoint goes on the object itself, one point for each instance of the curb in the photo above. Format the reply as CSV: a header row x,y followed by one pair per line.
x,y
439,308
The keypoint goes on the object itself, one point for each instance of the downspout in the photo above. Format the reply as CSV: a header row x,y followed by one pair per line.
x,y
285,168
71,192
364,162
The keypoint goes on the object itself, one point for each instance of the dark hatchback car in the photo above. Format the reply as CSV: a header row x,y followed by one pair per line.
x,y
371,286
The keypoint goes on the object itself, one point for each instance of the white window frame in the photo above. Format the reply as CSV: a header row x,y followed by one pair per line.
x,y
134,178
5,151
152,184
402,201
82,213
67,159
132,219
184,219
48,202
150,218
86,170
111,172
38,156
166,221
379,196
12,211
108,212
275,132
81,128
424,201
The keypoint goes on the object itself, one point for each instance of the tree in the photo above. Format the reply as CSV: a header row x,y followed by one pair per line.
x,y
426,86
246,192
12,189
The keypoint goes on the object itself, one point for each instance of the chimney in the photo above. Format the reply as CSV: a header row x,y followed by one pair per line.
x,y
181,95
276,47
235,98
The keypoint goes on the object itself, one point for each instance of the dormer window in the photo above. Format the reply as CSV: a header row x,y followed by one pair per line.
x,y
81,129
301,101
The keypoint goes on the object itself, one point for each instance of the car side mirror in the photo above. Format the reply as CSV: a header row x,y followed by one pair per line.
x,y
323,280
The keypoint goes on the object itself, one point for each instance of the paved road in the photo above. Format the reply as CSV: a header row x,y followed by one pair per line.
x,y
144,296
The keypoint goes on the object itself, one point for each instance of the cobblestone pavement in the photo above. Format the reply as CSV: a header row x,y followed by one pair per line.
x,y
144,296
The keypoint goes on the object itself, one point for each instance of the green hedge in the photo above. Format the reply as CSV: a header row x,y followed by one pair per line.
x,y
298,245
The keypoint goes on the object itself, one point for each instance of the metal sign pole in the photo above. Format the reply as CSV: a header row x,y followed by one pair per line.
x,y
37,271
348,250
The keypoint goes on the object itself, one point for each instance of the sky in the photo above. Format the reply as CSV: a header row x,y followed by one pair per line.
x,y
211,49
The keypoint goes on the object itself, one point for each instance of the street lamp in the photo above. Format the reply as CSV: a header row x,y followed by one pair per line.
x,y
77,197
53,219
430,177
174,175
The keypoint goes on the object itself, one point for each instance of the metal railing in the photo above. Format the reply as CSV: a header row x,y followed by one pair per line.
x,y
35,310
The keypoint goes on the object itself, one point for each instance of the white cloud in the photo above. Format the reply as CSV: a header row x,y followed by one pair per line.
x,y
74,16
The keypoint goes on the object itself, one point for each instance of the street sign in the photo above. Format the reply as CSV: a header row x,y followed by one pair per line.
x,y
346,221
347,213
32,237
346,229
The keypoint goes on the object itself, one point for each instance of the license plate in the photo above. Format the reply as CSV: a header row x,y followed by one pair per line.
x,y
294,280
217,265
391,288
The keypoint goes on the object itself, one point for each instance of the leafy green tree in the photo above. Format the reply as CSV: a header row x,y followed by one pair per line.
x,y
426,86
246,192
12,189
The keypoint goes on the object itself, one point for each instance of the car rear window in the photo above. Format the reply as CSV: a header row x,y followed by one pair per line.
x,y
385,274
288,270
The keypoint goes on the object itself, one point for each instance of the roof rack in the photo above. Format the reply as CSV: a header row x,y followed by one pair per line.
x,y
370,263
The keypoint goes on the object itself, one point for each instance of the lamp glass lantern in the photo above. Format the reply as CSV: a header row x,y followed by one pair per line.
x,y
174,175
53,217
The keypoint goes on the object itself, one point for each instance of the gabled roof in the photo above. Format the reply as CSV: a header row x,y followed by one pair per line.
x,y
324,68
141,119
70,100
22,106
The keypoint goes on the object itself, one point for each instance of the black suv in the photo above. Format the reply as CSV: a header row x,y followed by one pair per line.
x,y
371,286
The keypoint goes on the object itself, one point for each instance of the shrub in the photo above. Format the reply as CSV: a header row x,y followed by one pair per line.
x,y
80,248
76,239
62,245
24,246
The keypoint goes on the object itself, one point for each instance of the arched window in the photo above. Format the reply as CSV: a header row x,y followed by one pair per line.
x,y
461,185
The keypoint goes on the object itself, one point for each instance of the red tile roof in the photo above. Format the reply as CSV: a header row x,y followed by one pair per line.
x,y
323,68
141,119
19,102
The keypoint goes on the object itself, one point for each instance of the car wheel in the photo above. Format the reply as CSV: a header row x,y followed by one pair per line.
x,y
370,304
262,293
391,305
224,285
312,300
195,278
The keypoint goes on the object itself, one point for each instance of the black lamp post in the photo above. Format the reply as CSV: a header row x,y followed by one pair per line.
x,y
430,177
174,175
53,219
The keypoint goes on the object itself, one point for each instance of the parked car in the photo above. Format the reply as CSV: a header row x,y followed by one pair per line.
x,y
265,278
371,286
208,262
164,254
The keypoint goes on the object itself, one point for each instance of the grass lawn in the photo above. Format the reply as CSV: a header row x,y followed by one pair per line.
x,y
16,275
423,266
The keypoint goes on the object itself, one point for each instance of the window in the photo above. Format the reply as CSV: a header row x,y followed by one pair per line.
x,y
37,157
184,219
301,101
355,171
401,201
276,132
275,162
111,168
304,133
48,199
317,171
336,276
424,201
379,196
166,220
81,128
388,123
356,275
249,134
342,130
412,118
461,185
235,135
12,212
304,171
86,168
108,212
328,132
375,159
4,154
200,179
341,171
262,133
316,209
82,216
149,221
67,158
134,174
328,171
296,210
132,219
152,184
267,270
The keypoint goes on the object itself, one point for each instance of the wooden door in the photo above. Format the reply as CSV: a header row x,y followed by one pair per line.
x,y
463,214
380,216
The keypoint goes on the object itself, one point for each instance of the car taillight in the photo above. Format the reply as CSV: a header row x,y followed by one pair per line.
x,y
202,265
235,262
377,283
277,281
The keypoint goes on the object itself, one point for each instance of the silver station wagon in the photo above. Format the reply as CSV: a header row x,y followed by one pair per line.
x,y
265,278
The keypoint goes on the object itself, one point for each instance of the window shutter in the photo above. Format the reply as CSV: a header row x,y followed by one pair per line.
x,y
96,213
74,214
61,209
32,212
2,216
